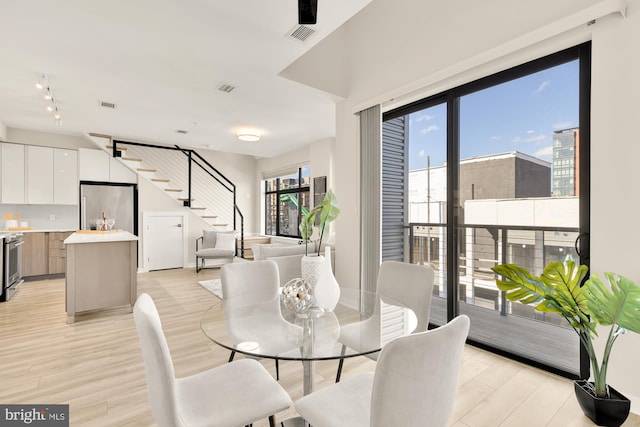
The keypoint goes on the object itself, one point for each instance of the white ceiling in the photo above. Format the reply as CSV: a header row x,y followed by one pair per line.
x,y
160,62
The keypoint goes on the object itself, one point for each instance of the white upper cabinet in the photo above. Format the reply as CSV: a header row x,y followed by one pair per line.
x,y
38,175
97,165
39,168
65,177
13,174
93,165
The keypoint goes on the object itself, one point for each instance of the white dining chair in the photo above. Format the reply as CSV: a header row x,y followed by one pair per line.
x,y
234,394
254,287
414,384
401,284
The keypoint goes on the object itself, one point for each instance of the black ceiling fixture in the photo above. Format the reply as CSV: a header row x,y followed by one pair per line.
x,y
307,11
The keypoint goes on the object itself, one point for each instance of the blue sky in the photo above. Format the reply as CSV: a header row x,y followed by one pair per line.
x,y
519,115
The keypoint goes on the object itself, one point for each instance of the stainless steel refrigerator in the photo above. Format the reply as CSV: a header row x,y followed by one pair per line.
x,y
118,201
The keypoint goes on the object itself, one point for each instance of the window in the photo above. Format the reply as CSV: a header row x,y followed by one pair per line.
x,y
286,200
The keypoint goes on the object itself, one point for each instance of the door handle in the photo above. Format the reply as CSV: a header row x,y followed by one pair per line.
x,y
178,225
579,244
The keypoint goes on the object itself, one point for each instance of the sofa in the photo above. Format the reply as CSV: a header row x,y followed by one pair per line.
x,y
288,258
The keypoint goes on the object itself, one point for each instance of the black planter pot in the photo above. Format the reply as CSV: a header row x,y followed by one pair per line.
x,y
609,412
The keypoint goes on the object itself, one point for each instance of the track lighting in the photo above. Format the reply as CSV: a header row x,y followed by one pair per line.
x,y
44,85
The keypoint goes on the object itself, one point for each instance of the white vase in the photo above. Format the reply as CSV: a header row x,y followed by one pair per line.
x,y
327,290
311,266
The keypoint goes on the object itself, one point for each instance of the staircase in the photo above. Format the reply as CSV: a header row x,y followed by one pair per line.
x,y
183,175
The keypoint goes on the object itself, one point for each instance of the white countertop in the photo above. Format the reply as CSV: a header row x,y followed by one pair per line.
x,y
114,236
39,230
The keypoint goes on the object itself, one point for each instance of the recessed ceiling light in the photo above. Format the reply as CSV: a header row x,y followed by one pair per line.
x,y
248,135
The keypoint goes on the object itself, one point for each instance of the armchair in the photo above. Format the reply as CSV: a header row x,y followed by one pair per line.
x,y
215,245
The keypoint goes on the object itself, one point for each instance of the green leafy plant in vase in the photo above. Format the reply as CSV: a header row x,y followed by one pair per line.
x,y
585,307
327,211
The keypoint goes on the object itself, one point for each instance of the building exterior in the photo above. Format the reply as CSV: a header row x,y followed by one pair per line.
x,y
512,175
501,194
566,150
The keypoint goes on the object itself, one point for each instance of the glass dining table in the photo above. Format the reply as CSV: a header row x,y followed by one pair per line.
x,y
359,325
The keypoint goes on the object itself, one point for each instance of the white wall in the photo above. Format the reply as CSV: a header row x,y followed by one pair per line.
x,y
615,153
402,50
39,216
347,186
241,170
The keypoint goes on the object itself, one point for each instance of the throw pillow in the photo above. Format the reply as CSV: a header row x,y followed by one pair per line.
x,y
226,241
209,238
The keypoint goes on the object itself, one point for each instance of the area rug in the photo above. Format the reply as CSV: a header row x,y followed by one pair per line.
x,y
212,286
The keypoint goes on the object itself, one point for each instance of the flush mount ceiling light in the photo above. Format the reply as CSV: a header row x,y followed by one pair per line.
x,y
51,101
248,135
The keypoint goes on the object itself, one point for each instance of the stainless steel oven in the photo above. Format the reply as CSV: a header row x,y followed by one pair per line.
x,y
12,265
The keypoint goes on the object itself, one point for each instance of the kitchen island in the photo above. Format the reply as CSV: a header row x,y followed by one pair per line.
x,y
101,271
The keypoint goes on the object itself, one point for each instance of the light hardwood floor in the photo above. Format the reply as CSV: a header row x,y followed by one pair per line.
x,y
95,365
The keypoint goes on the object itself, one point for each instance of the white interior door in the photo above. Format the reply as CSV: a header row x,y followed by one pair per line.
x,y
165,236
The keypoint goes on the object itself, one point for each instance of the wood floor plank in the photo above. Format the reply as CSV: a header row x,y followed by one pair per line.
x,y
95,365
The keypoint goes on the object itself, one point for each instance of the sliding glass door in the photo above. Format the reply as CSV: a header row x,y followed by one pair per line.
x,y
498,173
427,210
509,211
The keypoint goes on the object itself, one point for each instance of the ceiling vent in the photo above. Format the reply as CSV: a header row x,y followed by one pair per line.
x,y
226,87
301,32
182,131
107,105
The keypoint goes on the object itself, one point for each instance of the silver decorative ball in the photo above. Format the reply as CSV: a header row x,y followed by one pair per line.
x,y
297,295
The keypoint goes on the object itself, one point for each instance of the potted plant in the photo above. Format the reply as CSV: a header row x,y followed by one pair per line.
x,y
328,211
585,307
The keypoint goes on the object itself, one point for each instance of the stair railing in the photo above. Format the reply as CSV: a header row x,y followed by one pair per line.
x,y
205,166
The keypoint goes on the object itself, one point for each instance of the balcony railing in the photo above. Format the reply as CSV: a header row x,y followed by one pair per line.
x,y
482,247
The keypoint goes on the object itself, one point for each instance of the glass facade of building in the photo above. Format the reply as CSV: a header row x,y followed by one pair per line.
x,y
565,149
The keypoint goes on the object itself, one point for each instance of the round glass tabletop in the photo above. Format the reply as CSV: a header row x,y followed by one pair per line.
x,y
266,328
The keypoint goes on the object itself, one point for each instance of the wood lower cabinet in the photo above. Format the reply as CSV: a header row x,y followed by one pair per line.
x,y
101,272
44,253
57,252
35,258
